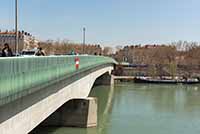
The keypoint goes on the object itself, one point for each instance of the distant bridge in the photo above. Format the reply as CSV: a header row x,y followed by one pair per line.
x,y
33,88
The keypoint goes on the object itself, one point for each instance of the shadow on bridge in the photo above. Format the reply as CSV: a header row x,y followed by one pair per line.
x,y
105,108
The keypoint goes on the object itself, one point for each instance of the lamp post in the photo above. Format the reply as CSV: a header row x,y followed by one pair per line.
x,y
16,28
84,29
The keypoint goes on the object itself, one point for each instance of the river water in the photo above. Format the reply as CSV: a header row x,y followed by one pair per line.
x,y
142,109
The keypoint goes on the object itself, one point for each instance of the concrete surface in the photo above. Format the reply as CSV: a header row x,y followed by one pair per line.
x,y
23,115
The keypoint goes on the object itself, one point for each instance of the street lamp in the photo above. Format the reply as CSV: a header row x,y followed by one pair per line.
x,y
16,28
84,29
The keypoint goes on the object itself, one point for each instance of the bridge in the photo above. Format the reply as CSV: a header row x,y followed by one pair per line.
x,y
41,89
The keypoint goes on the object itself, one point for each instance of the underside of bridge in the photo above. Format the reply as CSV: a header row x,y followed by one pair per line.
x,y
78,112
24,114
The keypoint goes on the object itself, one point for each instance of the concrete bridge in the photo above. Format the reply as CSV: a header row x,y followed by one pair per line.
x,y
35,88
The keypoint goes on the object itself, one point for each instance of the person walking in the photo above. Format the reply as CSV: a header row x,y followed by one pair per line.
x,y
6,51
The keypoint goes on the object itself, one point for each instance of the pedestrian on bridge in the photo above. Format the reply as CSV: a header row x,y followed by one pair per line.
x,y
40,52
6,51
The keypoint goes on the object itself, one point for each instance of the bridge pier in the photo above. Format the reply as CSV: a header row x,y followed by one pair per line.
x,y
75,113
105,79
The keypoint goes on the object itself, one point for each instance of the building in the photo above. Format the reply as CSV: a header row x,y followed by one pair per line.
x,y
26,40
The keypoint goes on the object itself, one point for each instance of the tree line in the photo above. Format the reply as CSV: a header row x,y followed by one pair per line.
x,y
66,47
177,58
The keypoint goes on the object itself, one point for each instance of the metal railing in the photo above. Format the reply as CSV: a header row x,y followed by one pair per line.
x,y
21,76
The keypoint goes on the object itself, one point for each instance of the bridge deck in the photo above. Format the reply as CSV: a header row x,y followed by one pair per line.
x,y
25,75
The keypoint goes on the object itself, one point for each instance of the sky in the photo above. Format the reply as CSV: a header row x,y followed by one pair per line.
x,y
107,22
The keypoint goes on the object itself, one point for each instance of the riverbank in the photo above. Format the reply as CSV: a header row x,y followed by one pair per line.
x,y
158,80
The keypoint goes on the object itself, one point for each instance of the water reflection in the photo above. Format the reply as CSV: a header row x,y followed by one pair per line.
x,y
104,107
143,108
171,98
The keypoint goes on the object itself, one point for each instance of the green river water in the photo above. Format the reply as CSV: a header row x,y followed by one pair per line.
x,y
142,109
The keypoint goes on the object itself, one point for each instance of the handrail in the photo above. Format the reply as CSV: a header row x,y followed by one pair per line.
x,y
25,73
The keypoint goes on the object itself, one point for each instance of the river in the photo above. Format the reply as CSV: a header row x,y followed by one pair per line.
x,y
142,109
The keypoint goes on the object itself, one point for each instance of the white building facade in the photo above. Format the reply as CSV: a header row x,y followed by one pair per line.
x,y
26,40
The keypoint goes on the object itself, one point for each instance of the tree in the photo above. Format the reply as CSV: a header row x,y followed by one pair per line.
x,y
107,51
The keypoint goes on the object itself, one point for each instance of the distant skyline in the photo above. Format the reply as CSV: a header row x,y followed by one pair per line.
x,y
107,22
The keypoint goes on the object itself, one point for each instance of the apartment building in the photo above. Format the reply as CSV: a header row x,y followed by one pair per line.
x,y
26,40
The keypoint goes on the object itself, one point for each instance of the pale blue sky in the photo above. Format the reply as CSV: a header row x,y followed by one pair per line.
x,y
108,22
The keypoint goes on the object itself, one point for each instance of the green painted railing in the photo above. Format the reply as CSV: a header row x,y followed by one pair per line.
x,y
20,76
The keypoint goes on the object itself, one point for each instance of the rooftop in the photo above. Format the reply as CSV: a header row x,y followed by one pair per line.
x,y
7,33
13,33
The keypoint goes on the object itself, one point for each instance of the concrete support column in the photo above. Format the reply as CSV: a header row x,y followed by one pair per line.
x,y
75,113
106,79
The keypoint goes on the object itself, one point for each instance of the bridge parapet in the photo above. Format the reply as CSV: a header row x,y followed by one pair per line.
x,y
25,75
